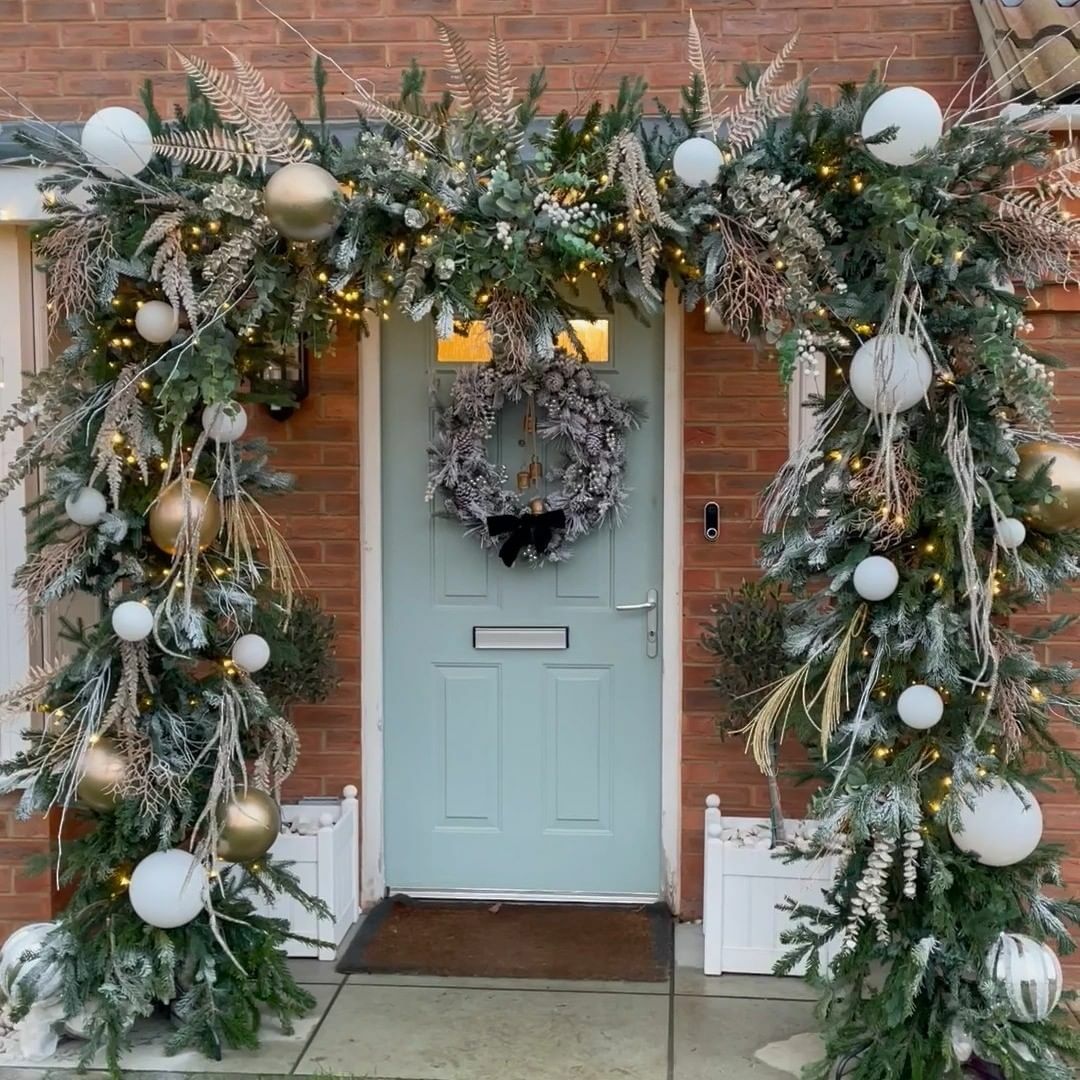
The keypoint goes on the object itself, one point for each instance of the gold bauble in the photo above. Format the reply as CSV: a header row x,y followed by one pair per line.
x,y
167,515
536,506
104,771
248,826
1064,512
303,202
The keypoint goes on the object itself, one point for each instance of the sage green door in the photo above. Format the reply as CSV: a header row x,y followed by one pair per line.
x,y
512,771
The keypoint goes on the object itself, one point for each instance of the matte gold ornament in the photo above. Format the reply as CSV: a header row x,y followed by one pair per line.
x,y
1064,512
249,825
105,770
523,482
303,202
167,515
536,471
537,506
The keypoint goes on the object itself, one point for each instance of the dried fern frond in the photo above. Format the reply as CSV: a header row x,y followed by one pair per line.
x,y
171,268
52,571
77,255
29,693
699,65
467,83
420,130
1039,243
499,86
216,151
761,102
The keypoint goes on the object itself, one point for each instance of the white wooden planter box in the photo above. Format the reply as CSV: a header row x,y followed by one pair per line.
x,y
327,863
743,884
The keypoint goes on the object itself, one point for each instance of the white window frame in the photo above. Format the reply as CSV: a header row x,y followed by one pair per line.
x,y
801,419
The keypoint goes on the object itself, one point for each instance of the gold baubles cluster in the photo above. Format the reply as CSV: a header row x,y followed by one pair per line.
x,y
1063,513
104,773
248,825
303,202
170,514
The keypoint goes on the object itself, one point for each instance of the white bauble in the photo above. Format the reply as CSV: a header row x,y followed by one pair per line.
x,y
224,421
917,119
250,653
890,373
1011,532
876,578
117,142
1003,283
1000,827
86,507
47,985
697,162
920,707
1030,974
132,621
157,321
167,888
963,1045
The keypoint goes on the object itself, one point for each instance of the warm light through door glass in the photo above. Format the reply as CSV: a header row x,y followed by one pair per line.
x,y
473,346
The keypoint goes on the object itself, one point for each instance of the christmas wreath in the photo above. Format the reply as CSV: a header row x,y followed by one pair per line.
x,y
574,409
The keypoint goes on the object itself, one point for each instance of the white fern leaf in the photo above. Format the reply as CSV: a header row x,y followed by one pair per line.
x,y
699,65
216,151
159,228
274,129
466,82
748,118
500,89
425,133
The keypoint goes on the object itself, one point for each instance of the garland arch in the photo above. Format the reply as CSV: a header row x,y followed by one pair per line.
x,y
184,255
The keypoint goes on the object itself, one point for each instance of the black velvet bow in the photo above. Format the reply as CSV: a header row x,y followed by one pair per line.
x,y
536,530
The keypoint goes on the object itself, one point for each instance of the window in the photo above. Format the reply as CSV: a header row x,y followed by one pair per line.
x,y
473,347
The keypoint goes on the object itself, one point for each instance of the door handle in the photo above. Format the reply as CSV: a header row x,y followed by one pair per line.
x,y
652,635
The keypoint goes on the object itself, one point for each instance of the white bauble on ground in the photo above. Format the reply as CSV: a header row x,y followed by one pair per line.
x,y
997,825
167,888
920,707
48,984
157,321
86,507
876,578
1030,974
224,421
250,653
697,161
890,373
1011,532
132,621
117,142
917,119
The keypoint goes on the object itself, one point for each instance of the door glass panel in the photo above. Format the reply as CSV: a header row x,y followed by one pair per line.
x,y
470,345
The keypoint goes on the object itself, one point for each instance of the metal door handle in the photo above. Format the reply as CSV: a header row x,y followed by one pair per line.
x,y
652,629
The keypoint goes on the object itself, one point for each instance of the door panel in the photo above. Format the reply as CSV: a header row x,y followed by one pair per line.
x,y
518,771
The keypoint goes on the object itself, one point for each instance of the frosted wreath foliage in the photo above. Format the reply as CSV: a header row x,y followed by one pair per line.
x,y
576,413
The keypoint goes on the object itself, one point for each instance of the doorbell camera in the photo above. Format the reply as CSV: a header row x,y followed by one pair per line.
x,y
712,521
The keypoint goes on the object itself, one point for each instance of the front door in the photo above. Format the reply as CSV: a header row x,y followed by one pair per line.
x,y
519,771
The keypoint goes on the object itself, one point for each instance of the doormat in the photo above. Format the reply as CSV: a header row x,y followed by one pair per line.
x,y
488,939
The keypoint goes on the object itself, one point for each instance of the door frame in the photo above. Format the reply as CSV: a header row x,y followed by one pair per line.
x,y
372,788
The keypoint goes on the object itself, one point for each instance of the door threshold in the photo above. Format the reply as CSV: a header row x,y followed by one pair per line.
x,y
525,895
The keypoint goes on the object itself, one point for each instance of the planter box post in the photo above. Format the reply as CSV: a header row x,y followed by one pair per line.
x,y
712,912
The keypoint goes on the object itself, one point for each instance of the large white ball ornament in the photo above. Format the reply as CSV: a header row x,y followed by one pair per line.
x,y
890,373
167,888
1011,532
86,507
250,653
917,119
157,321
997,825
697,161
920,707
132,621
224,421
117,142
876,578
1030,974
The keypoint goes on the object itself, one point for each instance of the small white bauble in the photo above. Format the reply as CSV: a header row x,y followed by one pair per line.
x,y
963,1045
250,653
86,507
1011,532
167,888
117,142
224,421
132,621
697,162
157,321
16,974
890,373
920,707
997,825
1030,974
1003,283
917,119
876,578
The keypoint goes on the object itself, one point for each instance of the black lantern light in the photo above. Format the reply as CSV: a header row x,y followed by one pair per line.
x,y
286,374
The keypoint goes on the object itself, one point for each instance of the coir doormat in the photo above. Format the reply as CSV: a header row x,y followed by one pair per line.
x,y
486,939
